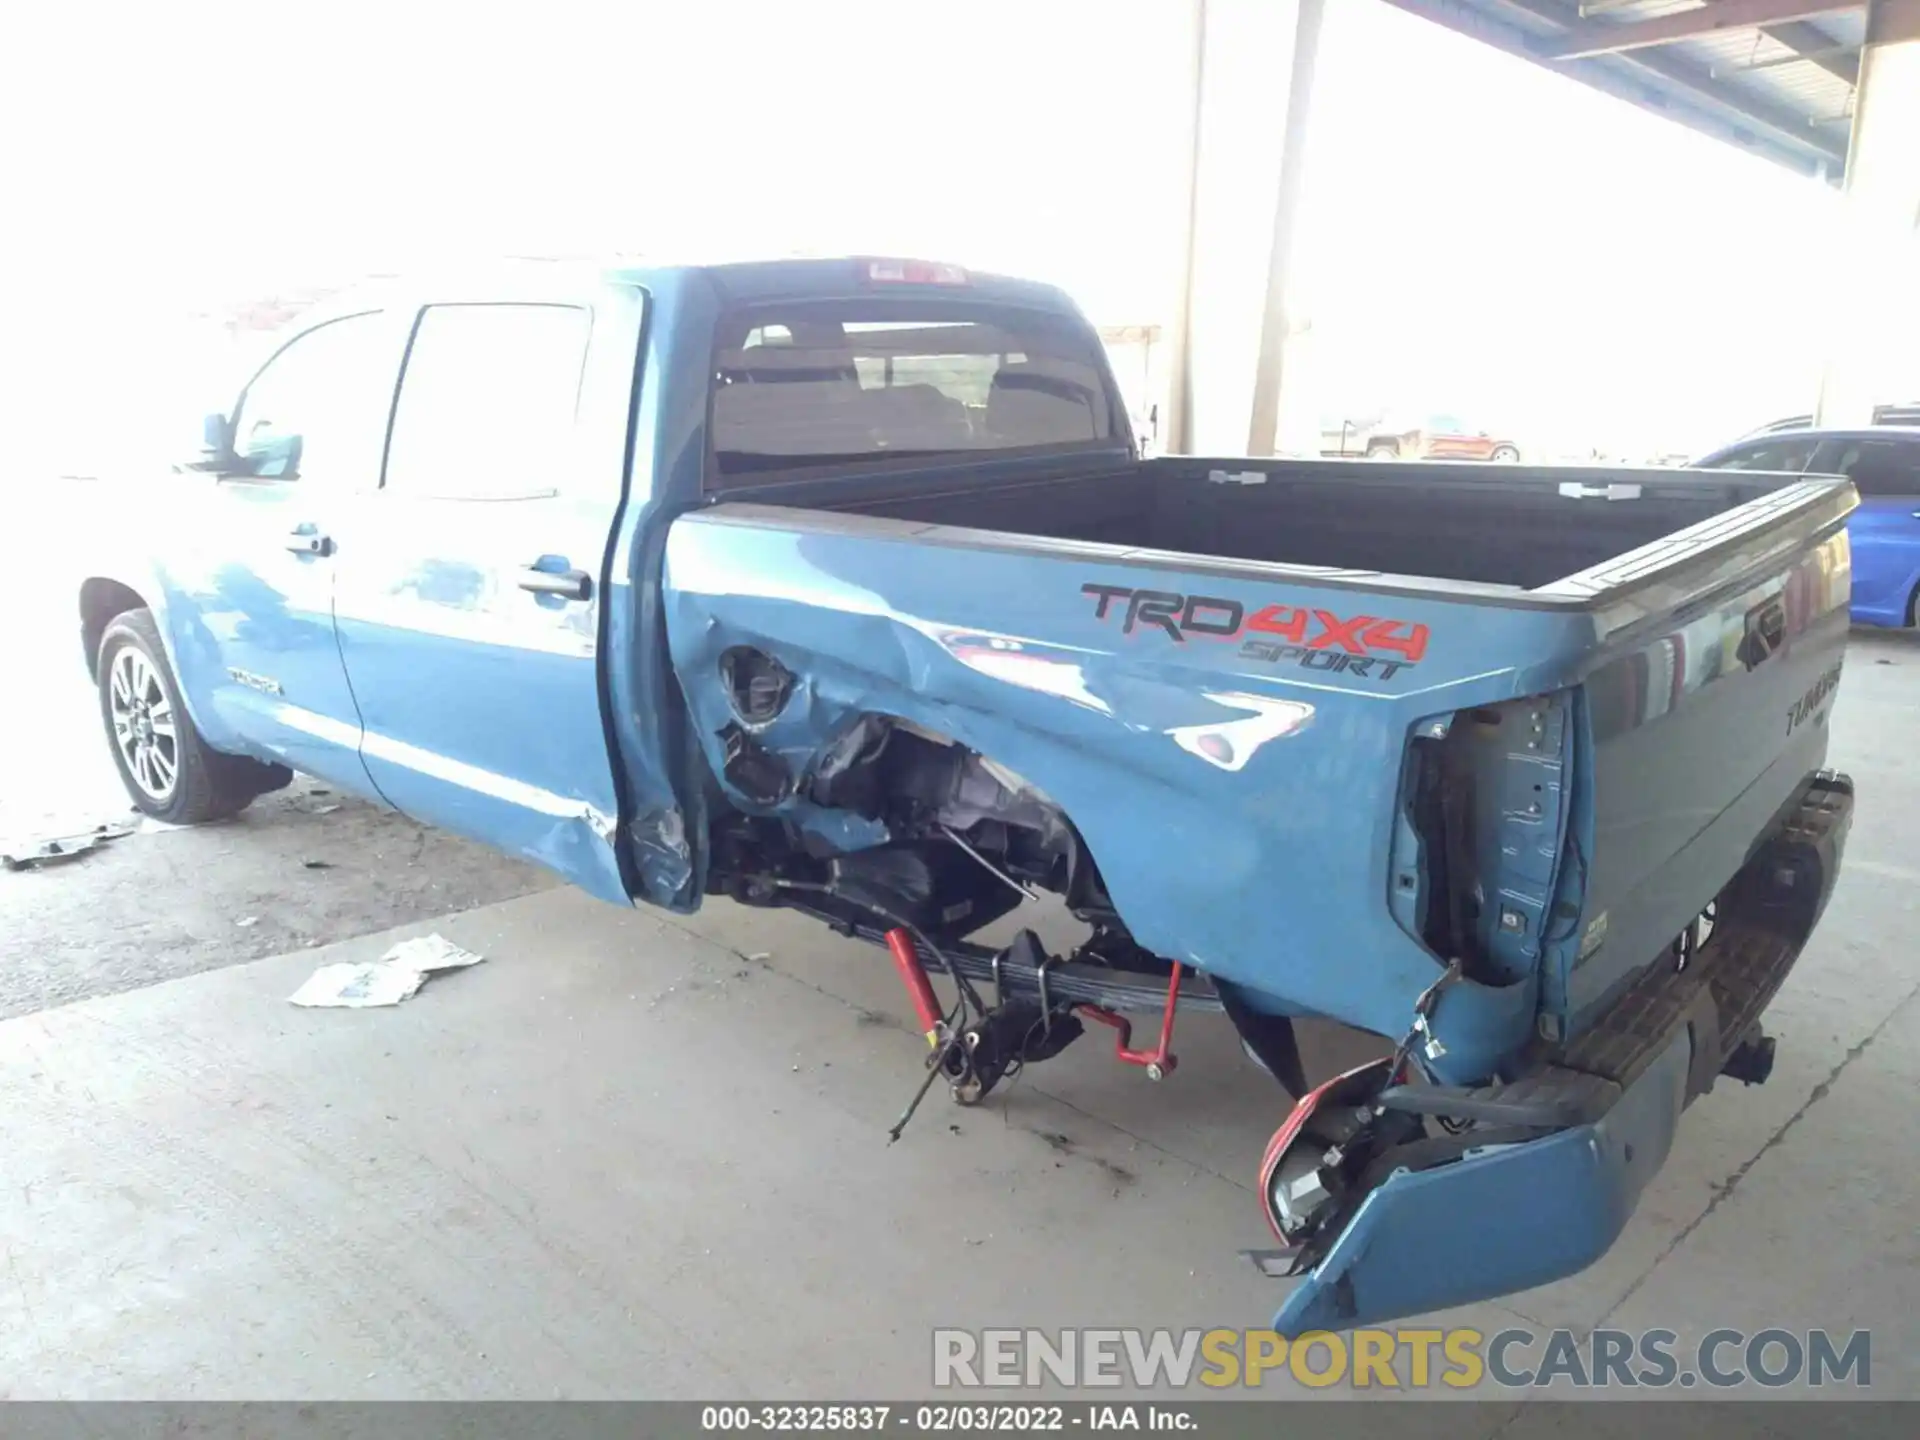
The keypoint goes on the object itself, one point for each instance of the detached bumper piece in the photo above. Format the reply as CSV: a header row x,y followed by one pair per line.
x,y
1394,1200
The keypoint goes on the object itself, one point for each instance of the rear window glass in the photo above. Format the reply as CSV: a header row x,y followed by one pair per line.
x,y
881,381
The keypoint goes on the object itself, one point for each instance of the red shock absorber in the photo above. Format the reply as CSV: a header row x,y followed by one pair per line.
x,y
906,960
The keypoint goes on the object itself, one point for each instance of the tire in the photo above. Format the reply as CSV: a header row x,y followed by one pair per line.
x,y
1504,455
169,771
1383,452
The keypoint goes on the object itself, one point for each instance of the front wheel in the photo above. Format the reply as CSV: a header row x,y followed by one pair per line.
x,y
165,765
1504,455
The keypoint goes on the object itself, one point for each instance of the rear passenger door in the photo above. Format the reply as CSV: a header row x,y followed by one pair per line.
x,y
470,589
1885,530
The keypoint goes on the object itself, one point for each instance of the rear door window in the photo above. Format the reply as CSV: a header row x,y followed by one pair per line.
x,y
487,402
878,382
1879,468
1788,455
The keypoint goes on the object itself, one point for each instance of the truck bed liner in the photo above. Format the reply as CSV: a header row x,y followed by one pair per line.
x,y
1514,527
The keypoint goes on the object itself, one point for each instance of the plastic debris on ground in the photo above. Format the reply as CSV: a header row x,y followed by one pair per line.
x,y
395,976
62,848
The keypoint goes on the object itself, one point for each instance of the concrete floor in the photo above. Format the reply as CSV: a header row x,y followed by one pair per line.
x,y
625,1158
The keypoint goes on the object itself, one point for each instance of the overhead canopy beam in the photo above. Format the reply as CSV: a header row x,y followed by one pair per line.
x,y
1837,53
1684,91
1840,61
1585,41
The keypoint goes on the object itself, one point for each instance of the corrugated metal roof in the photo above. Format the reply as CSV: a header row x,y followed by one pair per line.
x,y
1782,90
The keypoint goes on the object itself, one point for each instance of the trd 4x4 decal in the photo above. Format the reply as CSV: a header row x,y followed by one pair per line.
x,y
1364,645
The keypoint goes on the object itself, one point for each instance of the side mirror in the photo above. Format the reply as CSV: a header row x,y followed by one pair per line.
x,y
216,448
264,454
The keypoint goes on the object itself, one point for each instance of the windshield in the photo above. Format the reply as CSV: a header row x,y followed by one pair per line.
x,y
882,380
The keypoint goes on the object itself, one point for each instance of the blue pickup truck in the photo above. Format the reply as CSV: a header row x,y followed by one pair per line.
x,y
840,586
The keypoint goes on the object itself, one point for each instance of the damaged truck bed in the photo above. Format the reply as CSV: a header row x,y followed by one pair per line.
x,y
851,595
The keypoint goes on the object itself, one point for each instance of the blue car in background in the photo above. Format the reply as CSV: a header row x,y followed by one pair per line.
x,y
1884,464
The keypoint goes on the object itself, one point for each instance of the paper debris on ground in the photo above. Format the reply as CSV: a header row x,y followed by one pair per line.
x,y
395,976
357,987
428,953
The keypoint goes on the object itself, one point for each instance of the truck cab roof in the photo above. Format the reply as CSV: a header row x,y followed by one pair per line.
x,y
733,282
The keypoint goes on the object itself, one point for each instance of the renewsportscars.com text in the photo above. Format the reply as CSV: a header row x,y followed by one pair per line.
x,y
1402,1359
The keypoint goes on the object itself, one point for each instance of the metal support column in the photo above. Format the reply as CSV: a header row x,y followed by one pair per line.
x,y
1880,273
1276,316
1249,70
1177,434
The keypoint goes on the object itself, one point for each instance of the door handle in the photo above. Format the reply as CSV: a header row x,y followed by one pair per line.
x,y
309,542
567,584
